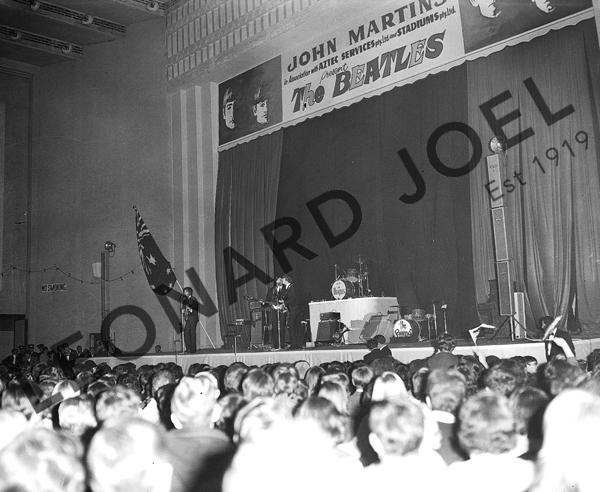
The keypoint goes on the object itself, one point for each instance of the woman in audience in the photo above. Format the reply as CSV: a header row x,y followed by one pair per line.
x,y
335,393
388,386
313,379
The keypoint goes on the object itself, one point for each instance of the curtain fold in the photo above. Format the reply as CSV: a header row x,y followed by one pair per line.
x,y
551,220
247,186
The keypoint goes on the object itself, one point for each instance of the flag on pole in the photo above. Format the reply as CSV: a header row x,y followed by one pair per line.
x,y
159,273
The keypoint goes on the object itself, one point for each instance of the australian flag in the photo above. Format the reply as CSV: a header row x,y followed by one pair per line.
x,y
159,273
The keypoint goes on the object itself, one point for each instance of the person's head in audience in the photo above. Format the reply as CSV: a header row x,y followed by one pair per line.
x,y
234,375
529,404
313,379
446,343
129,455
286,384
371,344
397,428
302,366
335,393
76,415
531,365
388,386
492,360
470,367
194,401
487,424
325,414
20,398
67,388
257,383
361,377
504,377
559,375
230,405
117,403
337,377
256,418
12,423
380,340
278,453
446,390
568,458
41,460
419,383
161,378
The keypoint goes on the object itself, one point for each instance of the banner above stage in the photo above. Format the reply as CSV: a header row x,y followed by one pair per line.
x,y
405,42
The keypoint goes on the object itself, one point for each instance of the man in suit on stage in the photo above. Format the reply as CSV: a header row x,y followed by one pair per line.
x,y
277,317
295,335
189,308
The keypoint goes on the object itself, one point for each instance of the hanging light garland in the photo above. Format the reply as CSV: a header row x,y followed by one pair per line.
x,y
55,268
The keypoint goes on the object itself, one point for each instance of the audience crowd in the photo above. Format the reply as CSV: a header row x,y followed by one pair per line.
x,y
448,422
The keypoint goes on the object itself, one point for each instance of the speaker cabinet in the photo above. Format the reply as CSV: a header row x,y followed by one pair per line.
x,y
520,328
500,242
504,288
326,329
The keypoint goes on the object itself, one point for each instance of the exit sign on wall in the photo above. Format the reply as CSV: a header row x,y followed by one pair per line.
x,y
54,287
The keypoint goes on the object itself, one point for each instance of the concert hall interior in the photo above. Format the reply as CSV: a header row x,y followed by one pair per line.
x,y
347,244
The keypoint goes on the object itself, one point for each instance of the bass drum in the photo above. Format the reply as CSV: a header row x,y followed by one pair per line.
x,y
406,330
342,289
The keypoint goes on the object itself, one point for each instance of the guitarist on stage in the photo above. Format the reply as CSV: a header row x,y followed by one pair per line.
x,y
189,309
277,313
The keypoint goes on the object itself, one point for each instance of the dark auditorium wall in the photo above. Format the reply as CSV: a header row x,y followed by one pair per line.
x,y
15,95
101,146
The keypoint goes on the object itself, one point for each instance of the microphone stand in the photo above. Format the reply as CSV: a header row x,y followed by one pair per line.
x,y
435,320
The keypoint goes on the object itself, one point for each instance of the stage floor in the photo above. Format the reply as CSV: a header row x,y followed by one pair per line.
x,y
319,355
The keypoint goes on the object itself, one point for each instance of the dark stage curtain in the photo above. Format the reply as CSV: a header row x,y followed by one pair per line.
x,y
246,201
552,220
418,252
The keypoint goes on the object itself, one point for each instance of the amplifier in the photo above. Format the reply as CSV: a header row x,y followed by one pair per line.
x,y
332,315
326,330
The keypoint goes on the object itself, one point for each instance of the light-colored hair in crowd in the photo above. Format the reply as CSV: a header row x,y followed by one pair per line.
x,y
129,455
335,393
388,386
117,402
76,415
40,460
194,401
568,458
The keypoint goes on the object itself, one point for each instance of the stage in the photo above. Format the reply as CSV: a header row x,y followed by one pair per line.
x,y
319,355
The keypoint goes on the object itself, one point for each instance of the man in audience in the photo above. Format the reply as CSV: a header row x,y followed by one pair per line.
x,y
361,377
129,455
234,375
505,377
487,434
257,383
559,375
199,453
397,430
117,403
443,358
446,391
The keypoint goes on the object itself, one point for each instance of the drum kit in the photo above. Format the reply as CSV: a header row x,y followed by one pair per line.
x,y
416,326
353,281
